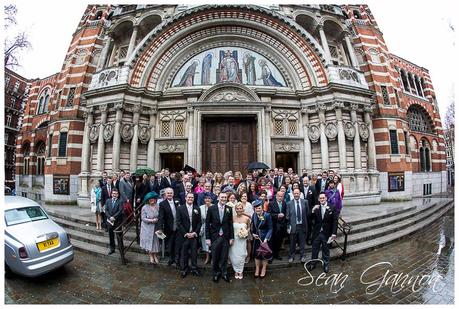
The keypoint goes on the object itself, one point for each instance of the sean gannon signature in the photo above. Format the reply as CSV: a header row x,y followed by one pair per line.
x,y
373,283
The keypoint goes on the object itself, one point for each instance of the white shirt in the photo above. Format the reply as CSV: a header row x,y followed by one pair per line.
x,y
174,213
190,214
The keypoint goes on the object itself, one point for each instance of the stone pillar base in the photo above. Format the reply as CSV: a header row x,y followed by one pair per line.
x,y
84,201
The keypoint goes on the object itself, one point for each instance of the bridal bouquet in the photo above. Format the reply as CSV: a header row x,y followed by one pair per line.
x,y
242,233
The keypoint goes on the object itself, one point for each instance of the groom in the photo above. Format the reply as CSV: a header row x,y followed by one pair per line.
x,y
219,236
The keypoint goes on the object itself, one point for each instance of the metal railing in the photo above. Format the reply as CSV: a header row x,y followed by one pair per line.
x,y
345,228
132,220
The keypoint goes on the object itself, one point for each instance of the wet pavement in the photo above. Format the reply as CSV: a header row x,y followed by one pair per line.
x,y
416,270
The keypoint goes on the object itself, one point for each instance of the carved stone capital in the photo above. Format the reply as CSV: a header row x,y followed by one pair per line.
x,y
103,108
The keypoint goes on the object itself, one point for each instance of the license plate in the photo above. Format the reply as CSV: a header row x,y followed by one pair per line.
x,y
48,244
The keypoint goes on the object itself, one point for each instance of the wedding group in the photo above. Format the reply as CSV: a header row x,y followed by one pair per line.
x,y
231,219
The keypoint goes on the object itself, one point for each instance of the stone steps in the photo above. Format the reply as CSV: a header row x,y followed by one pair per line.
x,y
366,234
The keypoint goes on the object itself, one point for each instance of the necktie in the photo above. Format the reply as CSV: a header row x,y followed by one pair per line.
x,y
280,207
298,212
221,208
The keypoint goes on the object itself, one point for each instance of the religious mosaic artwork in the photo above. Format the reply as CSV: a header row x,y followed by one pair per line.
x,y
223,65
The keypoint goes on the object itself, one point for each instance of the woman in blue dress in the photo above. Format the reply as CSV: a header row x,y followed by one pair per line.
x,y
262,230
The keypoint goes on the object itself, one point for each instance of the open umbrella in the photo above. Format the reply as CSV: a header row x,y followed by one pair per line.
x,y
257,166
144,170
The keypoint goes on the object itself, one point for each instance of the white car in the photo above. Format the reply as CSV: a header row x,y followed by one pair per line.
x,y
34,244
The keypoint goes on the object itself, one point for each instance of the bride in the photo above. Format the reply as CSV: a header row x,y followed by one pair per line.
x,y
238,251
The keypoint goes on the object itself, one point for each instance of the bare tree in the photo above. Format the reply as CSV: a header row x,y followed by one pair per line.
x,y
450,114
18,43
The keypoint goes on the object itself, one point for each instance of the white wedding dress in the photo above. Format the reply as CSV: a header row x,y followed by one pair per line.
x,y
238,251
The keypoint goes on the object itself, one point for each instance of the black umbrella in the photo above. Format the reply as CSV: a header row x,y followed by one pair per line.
x,y
188,168
257,166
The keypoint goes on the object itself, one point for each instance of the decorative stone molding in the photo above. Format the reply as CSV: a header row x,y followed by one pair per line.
x,y
103,108
348,74
349,130
364,131
229,92
172,115
94,133
171,148
287,147
118,105
354,106
331,131
108,131
127,131
314,133
144,134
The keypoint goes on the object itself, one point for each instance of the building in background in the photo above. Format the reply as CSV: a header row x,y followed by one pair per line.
x,y
16,92
215,87
449,141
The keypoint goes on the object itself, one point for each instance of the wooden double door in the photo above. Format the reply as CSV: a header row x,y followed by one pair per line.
x,y
228,143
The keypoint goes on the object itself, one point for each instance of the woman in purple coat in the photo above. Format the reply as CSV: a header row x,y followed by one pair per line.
x,y
334,197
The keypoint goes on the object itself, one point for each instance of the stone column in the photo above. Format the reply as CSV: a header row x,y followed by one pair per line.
x,y
103,57
151,142
135,139
132,41
86,160
307,142
267,135
113,54
323,140
357,152
354,61
420,86
117,138
416,84
343,52
371,141
341,137
85,154
374,175
100,141
191,136
323,38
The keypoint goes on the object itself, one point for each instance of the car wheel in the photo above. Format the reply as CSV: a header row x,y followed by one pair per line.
x,y
8,272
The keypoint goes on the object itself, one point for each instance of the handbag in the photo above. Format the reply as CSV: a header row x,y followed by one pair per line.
x,y
127,209
264,250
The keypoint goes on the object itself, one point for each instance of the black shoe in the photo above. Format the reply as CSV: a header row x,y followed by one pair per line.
x,y
326,269
311,266
226,278
196,273
170,262
111,251
184,273
270,261
215,278
309,243
278,258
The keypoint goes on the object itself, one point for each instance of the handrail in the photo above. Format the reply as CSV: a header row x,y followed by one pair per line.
x,y
345,228
124,227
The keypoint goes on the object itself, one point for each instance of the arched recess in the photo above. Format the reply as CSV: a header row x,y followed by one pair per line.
x,y
153,54
121,34
146,24
25,149
43,100
419,119
40,151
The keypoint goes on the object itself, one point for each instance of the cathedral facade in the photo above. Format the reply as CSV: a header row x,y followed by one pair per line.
x,y
219,86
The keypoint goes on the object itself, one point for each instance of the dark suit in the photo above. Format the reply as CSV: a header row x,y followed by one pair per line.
x,y
105,195
322,230
166,224
113,210
279,225
165,183
319,185
312,197
220,232
298,231
179,189
189,244
278,181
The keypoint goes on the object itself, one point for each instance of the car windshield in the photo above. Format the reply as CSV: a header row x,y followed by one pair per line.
x,y
24,215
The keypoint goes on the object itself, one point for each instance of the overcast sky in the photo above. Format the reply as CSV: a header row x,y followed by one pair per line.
x,y
418,31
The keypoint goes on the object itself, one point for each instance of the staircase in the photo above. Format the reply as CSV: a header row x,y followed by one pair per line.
x,y
368,231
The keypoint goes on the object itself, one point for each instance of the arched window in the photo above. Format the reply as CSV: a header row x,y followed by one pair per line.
x,y
419,119
41,149
26,153
357,14
425,157
43,101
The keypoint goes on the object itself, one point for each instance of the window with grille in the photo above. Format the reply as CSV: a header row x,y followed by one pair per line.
x,y
25,170
385,95
165,128
278,127
70,97
7,81
397,98
62,144
179,128
418,120
393,142
8,120
292,127
334,53
16,87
